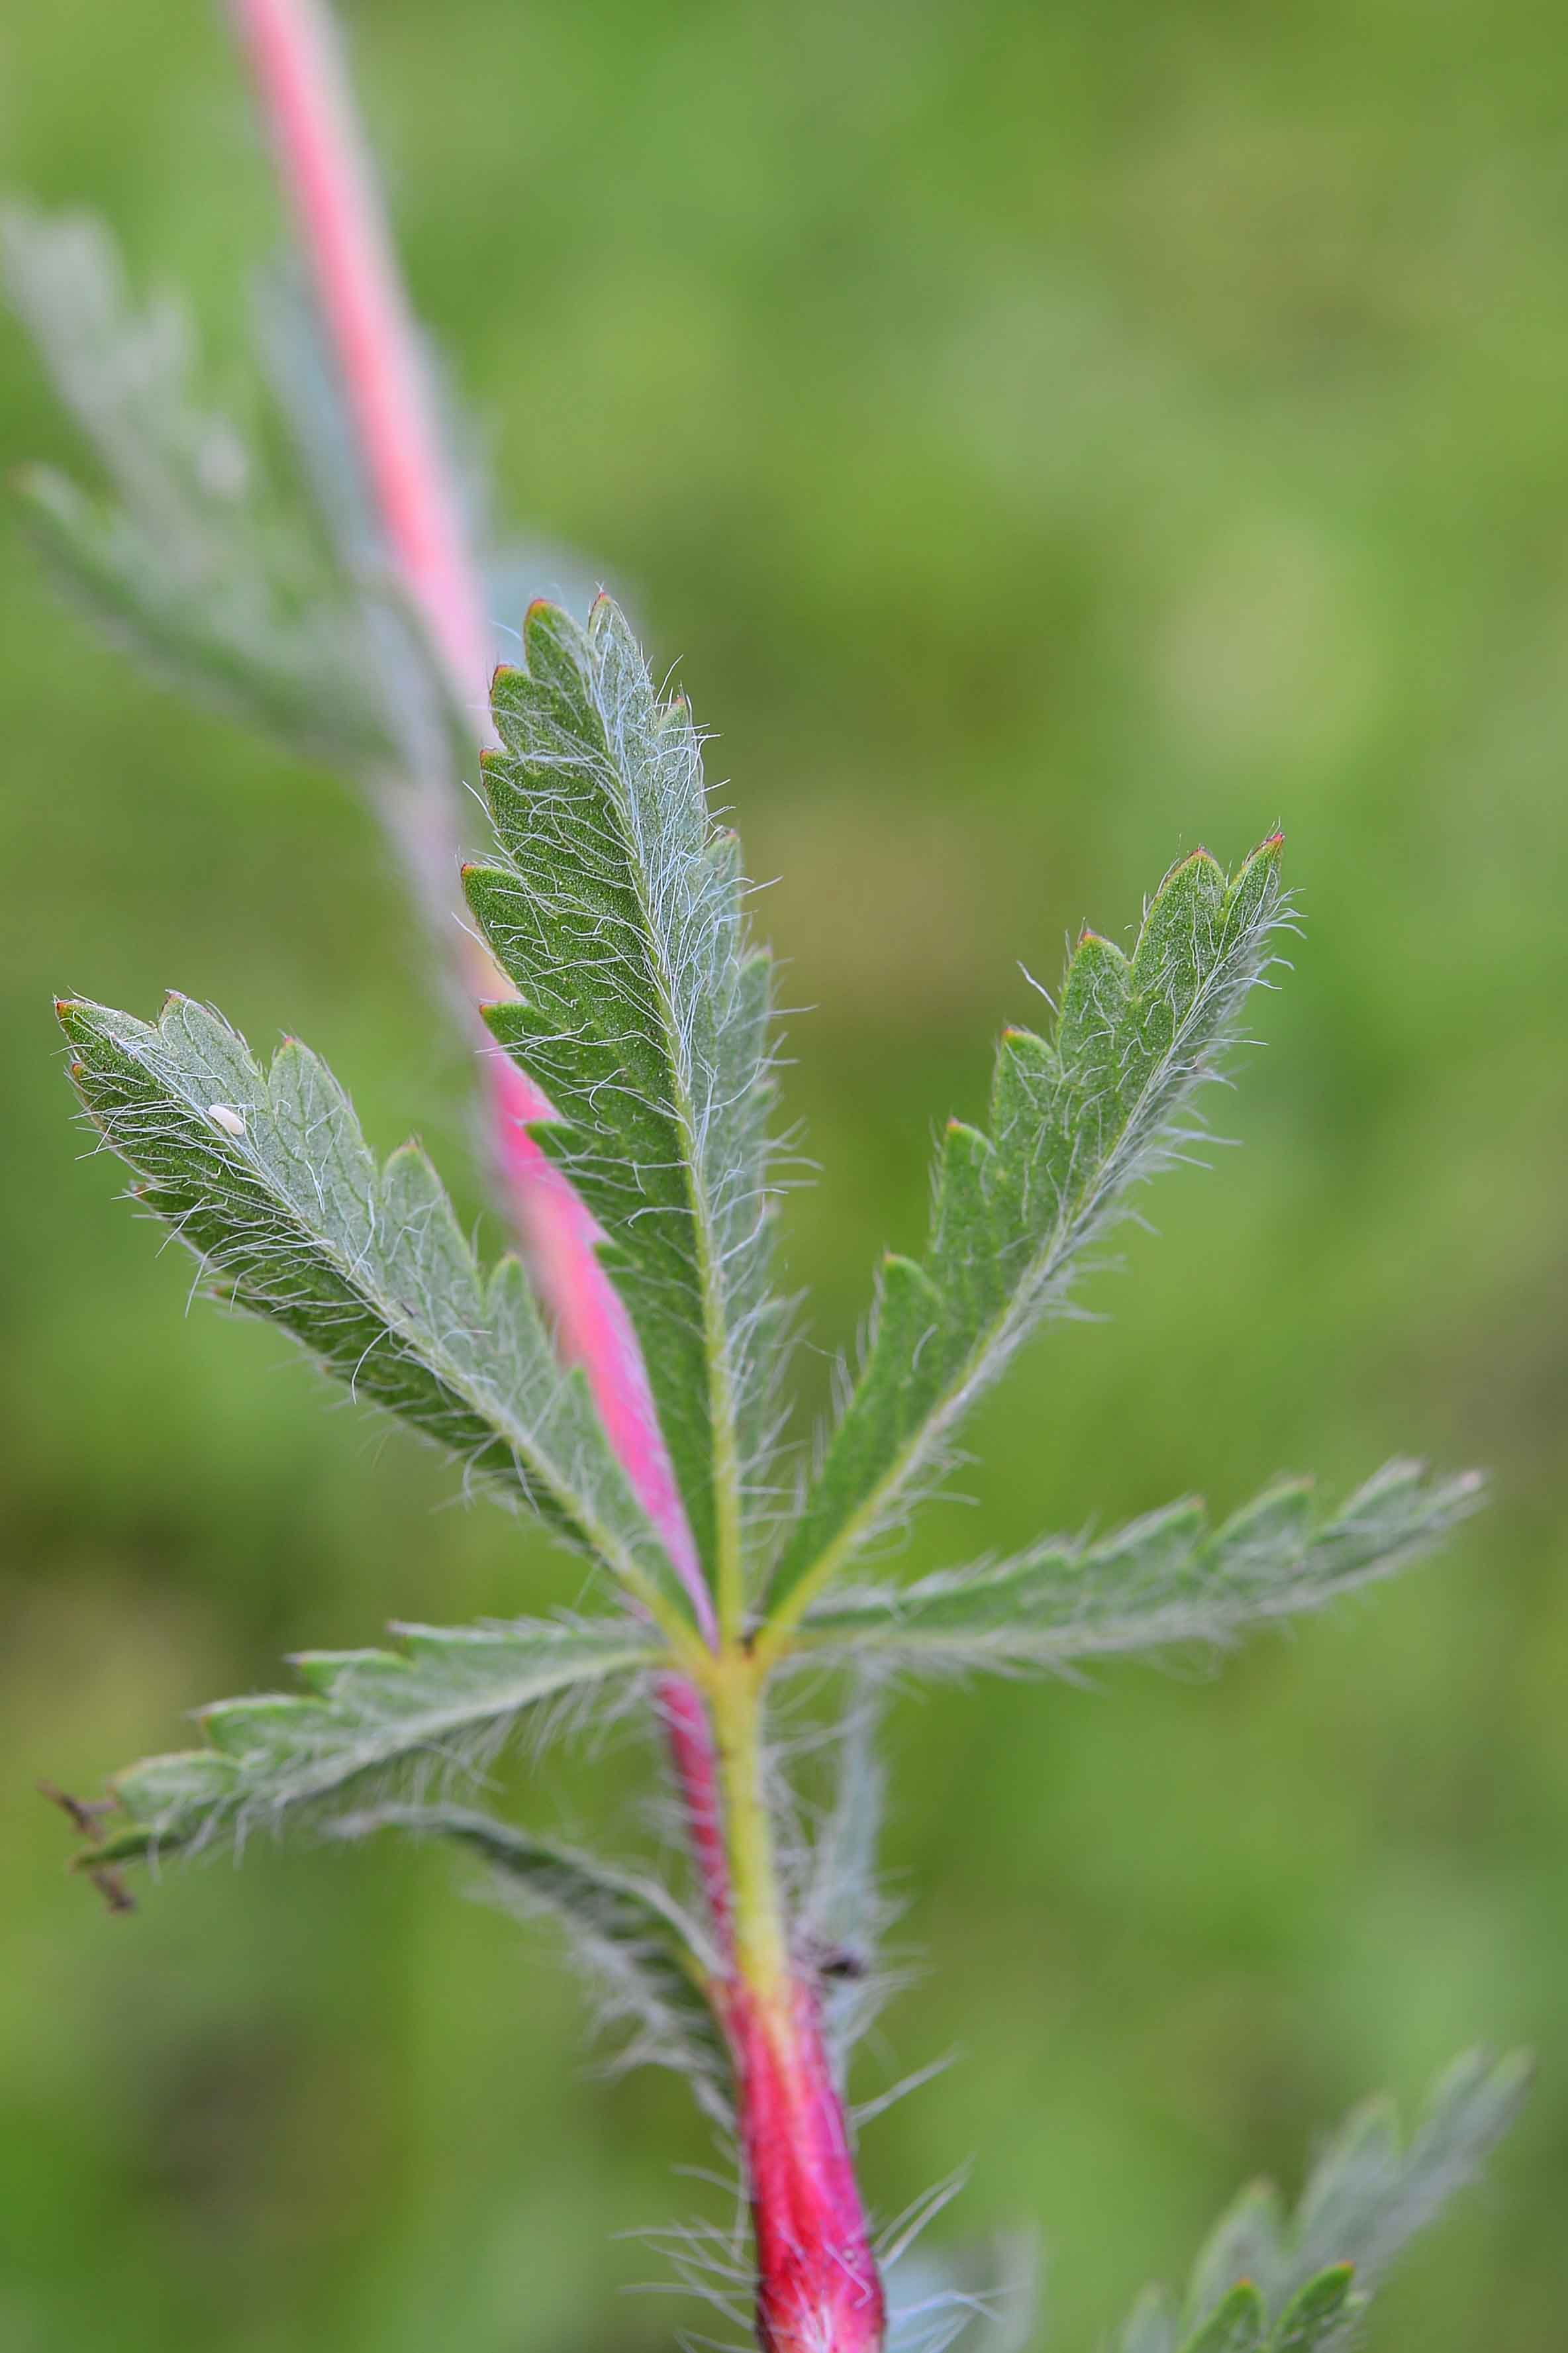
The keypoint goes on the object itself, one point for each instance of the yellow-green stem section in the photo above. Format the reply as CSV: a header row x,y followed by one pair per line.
x,y
762,1943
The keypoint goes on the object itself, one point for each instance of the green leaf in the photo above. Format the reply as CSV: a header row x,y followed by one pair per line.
x,y
220,578
1150,2326
440,1704
1367,2198
1319,2313
1237,2326
652,1964
266,1176
617,914
1076,1121
1312,2272
1162,1582
1244,2246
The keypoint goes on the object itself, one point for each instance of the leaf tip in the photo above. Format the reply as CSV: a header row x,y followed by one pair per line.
x,y
74,1014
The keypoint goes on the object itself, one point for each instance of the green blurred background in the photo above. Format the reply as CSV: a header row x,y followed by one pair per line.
x,y
1050,437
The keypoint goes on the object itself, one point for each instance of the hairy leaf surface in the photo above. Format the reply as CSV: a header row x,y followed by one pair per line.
x,y
1368,2196
266,1176
217,576
440,1704
652,1964
1237,2324
1075,1121
1161,1581
643,1015
1308,2276
1323,2309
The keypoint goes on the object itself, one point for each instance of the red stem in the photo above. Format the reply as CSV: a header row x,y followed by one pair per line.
x,y
818,2290
323,166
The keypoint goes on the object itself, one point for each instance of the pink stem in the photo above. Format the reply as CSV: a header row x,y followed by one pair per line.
x,y
591,1325
323,166
818,2289
695,1758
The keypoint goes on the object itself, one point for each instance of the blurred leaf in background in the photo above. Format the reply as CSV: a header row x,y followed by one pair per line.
x,y
1049,440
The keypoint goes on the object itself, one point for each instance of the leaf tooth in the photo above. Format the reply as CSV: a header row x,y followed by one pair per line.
x,y
1024,1069
166,1786
1315,2313
556,650
1247,2242
244,1727
510,687
1252,888
322,1671
499,767
1279,1519
1157,1544
909,1297
1152,2327
1026,1076
964,1257
1238,2325
1094,1004
1178,950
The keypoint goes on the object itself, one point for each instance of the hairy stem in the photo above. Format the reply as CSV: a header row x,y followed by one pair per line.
x,y
695,1760
322,161
760,1944
326,173
818,2290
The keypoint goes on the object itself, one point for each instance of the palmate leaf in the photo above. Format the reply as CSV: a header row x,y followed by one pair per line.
x,y
442,1703
1163,1581
644,1016
222,579
651,1963
266,1176
1075,1121
1299,2284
